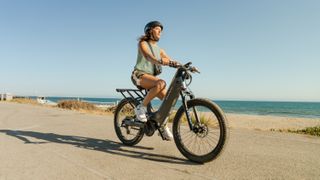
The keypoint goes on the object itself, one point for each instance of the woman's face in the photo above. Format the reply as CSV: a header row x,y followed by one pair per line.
x,y
156,33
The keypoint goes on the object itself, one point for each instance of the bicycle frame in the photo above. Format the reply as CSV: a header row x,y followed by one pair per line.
x,y
177,88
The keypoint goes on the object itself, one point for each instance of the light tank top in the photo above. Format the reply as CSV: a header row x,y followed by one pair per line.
x,y
143,64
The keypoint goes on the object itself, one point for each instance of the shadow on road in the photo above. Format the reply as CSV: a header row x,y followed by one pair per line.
x,y
107,146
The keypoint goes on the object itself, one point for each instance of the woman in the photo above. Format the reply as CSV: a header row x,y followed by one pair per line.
x,y
149,55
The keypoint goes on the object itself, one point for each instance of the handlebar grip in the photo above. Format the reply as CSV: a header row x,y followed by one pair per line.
x,y
174,64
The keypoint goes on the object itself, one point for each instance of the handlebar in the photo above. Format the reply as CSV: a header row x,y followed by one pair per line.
x,y
187,66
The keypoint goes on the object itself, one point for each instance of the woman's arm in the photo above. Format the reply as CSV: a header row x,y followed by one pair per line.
x,y
165,58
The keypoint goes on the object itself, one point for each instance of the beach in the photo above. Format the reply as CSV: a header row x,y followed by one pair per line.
x,y
38,142
260,122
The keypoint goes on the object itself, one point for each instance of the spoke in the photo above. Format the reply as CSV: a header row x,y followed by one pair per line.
x,y
187,145
210,122
200,146
186,133
216,133
210,145
207,143
213,137
187,136
198,143
189,140
193,146
204,146
184,128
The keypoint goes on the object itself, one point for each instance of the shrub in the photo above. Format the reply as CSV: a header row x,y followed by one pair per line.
x,y
315,131
24,100
76,105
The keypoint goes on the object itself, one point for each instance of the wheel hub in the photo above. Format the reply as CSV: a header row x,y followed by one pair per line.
x,y
201,130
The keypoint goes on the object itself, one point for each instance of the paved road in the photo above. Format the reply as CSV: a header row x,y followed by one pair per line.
x,y
47,143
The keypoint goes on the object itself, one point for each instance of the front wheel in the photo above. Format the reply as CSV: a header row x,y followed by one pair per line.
x,y
205,141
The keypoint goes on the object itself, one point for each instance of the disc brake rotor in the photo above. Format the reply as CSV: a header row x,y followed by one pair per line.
x,y
201,130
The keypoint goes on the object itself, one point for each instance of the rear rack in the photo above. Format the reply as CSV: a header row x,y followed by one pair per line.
x,y
137,94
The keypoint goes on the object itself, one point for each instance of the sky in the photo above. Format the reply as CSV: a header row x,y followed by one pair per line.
x,y
246,50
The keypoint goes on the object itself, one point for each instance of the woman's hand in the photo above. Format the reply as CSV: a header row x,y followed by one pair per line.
x,y
174,64
165,61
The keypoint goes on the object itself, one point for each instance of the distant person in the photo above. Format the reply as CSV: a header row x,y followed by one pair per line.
x,y
145,71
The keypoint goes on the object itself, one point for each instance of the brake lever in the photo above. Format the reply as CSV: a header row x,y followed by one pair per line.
x,y
194,69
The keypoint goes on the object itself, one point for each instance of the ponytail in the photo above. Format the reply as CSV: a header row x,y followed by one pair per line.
x,y
144,38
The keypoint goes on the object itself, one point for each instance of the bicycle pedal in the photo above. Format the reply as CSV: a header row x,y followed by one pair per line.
x,y
162,137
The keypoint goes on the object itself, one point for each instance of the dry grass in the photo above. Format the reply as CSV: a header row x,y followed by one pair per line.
x,y
25,101
204,118
171,116
76,105
84,107
80,106
314,131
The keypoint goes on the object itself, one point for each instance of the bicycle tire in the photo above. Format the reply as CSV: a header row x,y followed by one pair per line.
x,y
117,123
223,135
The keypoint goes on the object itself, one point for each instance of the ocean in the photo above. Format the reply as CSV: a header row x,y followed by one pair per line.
x,y
284,109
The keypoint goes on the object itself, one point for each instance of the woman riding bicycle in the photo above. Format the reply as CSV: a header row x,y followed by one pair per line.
x,y
144,76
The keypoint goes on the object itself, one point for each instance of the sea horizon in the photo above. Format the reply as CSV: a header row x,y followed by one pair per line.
x,y
213,99
300,109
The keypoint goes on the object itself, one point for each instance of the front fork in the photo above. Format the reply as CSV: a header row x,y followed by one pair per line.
x,y
186,109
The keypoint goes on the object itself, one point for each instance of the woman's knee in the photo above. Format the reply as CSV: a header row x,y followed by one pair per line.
x,y
148,81
161,84
162,94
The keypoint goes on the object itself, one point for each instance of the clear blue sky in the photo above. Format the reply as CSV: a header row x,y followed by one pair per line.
x,y
246,50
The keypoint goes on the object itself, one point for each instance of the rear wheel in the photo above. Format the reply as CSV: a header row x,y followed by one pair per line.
x,y
128,135
206,140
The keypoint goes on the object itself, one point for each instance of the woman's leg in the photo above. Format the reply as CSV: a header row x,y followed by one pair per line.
x,y
162,94
155,85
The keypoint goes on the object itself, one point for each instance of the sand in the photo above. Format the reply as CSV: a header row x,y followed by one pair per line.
x,y
259,122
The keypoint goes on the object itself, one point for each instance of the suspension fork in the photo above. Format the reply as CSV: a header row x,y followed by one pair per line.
x,y
185,106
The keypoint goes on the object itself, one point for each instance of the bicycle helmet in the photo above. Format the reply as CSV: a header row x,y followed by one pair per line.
x,y
151,25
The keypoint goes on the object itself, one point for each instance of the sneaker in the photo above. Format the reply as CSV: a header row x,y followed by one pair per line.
x,y
166,133
140,111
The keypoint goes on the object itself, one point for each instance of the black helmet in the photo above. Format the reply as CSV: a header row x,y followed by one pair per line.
x,y
151,25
